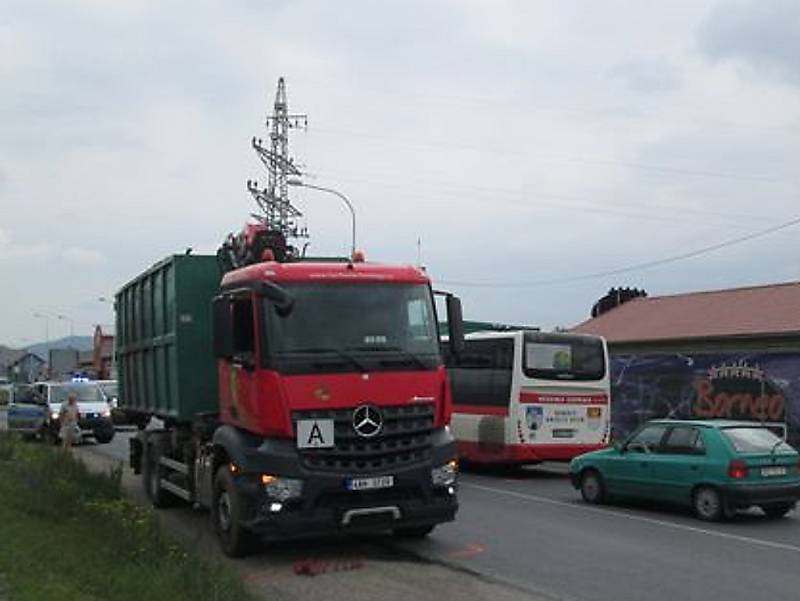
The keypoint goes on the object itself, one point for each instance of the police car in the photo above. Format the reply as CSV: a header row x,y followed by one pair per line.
x,y
37,413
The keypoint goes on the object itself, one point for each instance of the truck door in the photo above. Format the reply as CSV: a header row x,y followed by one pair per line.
x,y
241,374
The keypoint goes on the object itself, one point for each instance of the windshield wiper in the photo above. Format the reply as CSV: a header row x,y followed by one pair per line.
x,y
775,447
335,351
407,355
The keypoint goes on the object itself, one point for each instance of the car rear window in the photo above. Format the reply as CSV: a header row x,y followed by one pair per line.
x,y
755,440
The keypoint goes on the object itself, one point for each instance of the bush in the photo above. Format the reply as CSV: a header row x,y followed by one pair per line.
x,y
94,542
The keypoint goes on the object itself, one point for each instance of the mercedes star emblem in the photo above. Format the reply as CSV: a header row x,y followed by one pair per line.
x,y
367,421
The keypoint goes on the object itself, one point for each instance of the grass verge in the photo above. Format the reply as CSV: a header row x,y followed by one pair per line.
x,y
69,534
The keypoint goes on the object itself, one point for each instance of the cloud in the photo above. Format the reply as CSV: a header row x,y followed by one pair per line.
x,y
83,257
763,35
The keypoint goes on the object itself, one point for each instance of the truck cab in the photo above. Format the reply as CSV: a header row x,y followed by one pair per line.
x,y
336,369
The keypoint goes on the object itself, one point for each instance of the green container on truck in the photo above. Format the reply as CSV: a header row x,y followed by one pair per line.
x,y
167,367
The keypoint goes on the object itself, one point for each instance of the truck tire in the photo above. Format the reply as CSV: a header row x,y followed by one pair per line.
x,y
226,516
151,476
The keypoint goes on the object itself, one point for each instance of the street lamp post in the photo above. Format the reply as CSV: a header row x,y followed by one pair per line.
x,y
71,323
46,326
302,184
113,373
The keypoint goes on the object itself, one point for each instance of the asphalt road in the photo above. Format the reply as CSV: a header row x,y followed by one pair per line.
x,y
529,532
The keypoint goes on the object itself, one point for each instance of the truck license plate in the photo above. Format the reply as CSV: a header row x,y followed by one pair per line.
x,y
369,483
314,433
777,470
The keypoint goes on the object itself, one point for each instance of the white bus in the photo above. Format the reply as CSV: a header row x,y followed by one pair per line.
x,y
526,396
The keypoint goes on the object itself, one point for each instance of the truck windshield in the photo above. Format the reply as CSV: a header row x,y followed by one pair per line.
x,y
341,327
563,357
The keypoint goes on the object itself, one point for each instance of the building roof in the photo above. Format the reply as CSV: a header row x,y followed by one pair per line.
x,y
752,311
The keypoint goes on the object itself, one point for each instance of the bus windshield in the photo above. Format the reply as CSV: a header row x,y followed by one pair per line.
x,y
360,326
563,357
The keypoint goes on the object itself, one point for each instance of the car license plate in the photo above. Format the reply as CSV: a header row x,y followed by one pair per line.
x,y
777,470
369,483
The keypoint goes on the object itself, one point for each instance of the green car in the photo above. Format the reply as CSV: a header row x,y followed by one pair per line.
x,y
714,466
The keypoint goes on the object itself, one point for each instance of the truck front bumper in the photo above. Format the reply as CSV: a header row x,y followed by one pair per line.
x,y
326,505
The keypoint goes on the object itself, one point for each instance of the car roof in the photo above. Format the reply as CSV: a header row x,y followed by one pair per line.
x,y
708,423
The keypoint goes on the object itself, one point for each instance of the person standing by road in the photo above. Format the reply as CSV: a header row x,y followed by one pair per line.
x,y
68,418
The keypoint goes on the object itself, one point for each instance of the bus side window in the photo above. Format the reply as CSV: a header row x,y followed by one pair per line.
x,y
483,373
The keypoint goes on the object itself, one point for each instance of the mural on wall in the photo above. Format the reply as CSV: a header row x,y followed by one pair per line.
x,y
763,387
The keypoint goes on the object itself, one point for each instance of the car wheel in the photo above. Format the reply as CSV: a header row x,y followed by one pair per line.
x,y
593,490
226,516
413,532
104,437
777,510
708,504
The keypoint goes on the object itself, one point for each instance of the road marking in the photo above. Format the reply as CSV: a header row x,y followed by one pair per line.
x,y
636,518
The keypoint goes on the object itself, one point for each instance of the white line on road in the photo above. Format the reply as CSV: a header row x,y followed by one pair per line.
x,y
636,518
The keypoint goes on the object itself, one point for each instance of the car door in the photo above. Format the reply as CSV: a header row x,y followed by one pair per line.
x,y
680,463
629,473
26,412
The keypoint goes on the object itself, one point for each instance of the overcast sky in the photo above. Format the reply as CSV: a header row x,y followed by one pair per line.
x,y
521,142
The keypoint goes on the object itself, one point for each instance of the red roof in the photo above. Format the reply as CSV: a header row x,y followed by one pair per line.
x,y
755,310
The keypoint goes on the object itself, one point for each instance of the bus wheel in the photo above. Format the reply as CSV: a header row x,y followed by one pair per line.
x,y
227,514
593,490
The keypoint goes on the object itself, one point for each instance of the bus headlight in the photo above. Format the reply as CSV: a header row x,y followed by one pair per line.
x,y
54,415
282,489
446,474
106,413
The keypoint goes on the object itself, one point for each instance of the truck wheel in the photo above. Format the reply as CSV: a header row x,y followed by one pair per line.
x,y
151,475
593,490
413,532
777,510
226,516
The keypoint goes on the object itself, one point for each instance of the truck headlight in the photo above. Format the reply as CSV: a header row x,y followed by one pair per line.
x,y
282,489
446,474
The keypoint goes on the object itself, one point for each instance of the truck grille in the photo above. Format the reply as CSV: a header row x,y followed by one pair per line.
x,y
405,439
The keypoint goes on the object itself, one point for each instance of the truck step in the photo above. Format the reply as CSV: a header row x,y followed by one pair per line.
x,y
176,490
174,465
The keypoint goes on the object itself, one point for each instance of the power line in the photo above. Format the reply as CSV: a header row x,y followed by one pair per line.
x,y
635,267
382,139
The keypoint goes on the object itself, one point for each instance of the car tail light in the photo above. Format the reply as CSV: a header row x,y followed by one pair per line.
x,y
737,469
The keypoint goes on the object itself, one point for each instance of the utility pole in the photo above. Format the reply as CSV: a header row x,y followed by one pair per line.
x,y
280,215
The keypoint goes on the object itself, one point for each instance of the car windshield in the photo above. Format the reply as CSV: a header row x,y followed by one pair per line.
x,y
109,389
86,393
346,327
755,440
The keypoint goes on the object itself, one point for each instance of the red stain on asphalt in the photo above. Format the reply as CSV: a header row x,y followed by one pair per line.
x,y
471,550
315,567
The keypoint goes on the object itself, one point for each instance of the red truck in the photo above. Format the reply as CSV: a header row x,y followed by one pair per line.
x,y
297,398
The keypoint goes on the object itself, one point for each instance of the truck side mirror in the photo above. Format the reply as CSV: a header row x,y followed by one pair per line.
x,y
455,325
223,327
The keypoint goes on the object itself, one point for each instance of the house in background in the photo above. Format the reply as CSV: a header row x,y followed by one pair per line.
x,y
103,355
28,368
731,353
